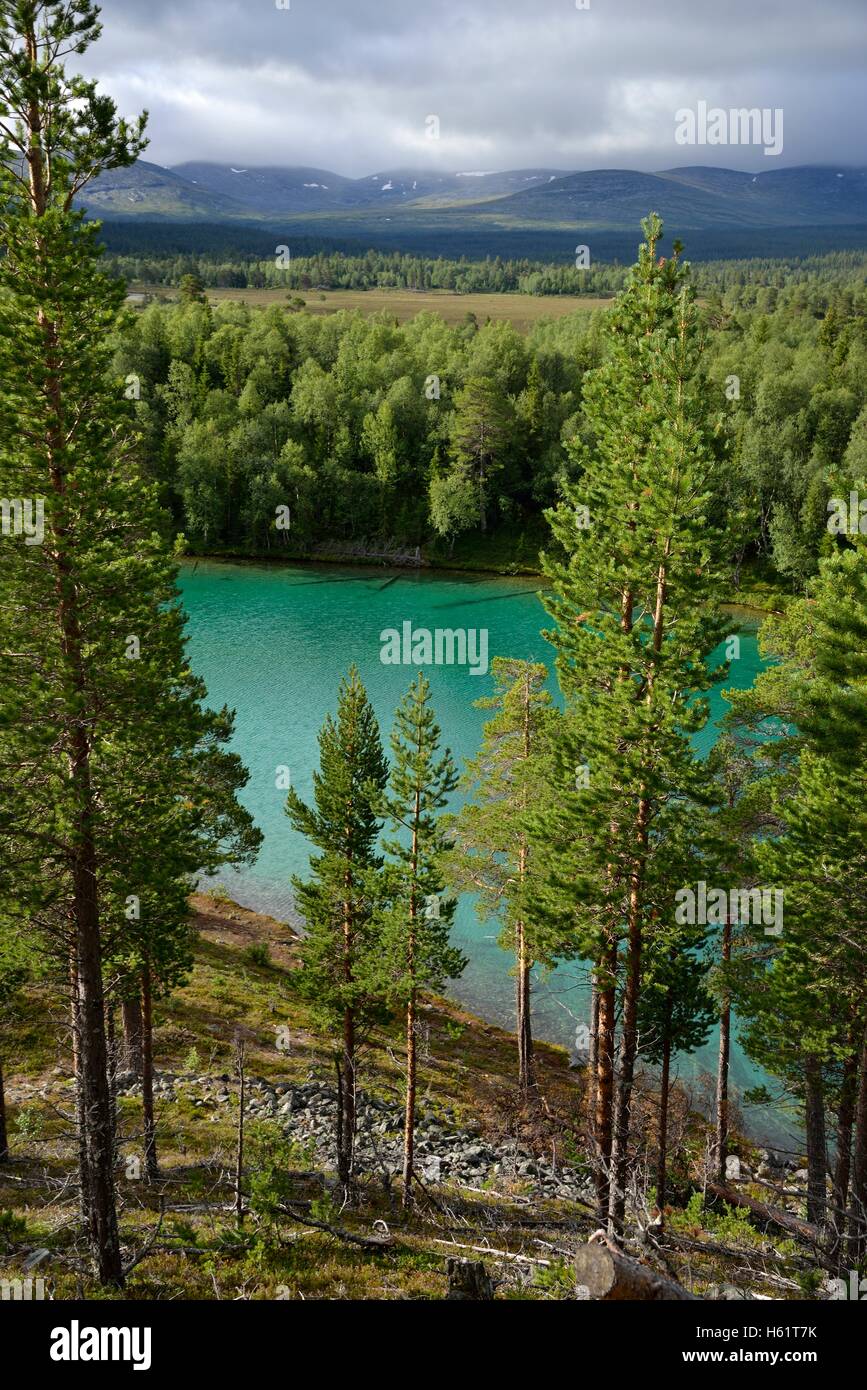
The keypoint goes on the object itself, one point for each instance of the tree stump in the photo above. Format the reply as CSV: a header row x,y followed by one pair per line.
x,y
606,1274
468,1279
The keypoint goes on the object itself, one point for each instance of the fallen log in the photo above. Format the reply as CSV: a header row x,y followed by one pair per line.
x,y
774,1216
491,1252
606,1274
733,1252
380,1242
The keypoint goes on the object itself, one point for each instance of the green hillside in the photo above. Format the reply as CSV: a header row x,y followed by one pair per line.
x,y
517,1185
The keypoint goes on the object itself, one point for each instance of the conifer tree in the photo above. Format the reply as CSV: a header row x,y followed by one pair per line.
x,y
340,952
634,604
743,814
192,289
417,920
103,731
675,1014
821,859
480,436
804,996
491,854
56,135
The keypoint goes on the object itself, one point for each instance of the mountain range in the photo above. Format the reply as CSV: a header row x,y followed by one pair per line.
x,y
536,213
693,197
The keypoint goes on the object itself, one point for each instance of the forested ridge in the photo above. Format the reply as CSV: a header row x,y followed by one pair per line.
x,y
364,1136
318,269
420,433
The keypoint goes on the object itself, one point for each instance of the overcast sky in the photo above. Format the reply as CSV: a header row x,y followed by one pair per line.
x,y
348,84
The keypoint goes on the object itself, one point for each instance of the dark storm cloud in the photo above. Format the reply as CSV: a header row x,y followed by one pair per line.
x,y
348,84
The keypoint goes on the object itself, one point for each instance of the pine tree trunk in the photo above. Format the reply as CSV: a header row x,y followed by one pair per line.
x,y
132,1036
526,1071
817,1157
842,1169
240,1071
605,1104
147,1083
409,1118
628,1042
338,1122
664,1084
346,1101
604,1088
346,1098
97,1176
858,1210
622,1106
111,1047
4,1141
74,1021
526,1076
722,1076
590,1098
96,1148
80,1119
629,1048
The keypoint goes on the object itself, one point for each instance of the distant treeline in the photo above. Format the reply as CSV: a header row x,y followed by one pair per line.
x,y
454,237
334,270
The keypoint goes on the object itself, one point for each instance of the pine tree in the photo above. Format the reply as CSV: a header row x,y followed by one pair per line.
x,y
741,810
192,289
675,1014
179,819
491,853
417,919
56,135
340,952
821,859
480,436
103,731
804,995
634,605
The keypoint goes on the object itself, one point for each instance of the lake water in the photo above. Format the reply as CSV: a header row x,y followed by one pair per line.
x,y
273,641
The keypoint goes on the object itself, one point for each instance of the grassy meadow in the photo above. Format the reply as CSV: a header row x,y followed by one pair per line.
x,y
522,311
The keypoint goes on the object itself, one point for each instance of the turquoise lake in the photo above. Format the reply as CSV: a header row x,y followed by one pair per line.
x,y
272,643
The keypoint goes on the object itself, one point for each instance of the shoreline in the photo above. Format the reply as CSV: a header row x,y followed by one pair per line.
x,y
777,1133
429,566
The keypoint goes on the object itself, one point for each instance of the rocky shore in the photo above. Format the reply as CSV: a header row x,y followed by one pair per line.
x,y
307,1113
